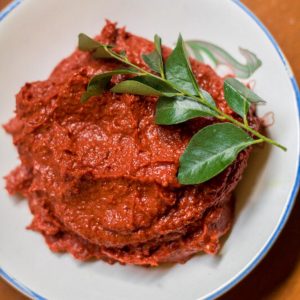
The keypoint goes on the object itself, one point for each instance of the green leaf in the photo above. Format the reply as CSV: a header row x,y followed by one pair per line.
x,y
219,56
135,87
239,97
85,43
145,85
210,151
157,43
154,59
178,69
179,109
98,83
208,97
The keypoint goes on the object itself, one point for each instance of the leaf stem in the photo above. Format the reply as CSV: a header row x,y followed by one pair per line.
x,y
162,73
254,132
126,61
245,120
240,124
202,100
257,141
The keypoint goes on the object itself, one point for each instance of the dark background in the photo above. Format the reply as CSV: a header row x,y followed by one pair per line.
x,y
277,277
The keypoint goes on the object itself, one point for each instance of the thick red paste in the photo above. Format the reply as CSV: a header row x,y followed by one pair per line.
x,y
100,178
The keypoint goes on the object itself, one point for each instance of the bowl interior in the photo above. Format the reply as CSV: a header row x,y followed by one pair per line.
x,y
36,36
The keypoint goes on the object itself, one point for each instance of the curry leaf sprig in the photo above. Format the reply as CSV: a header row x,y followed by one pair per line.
x,y
211,149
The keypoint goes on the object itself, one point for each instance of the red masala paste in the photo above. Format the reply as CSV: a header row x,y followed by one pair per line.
x,y
100,178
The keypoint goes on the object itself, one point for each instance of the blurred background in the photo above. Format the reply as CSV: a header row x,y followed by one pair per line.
x,y
277,277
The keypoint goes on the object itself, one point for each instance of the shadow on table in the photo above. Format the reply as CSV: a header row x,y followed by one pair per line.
x,y
277,265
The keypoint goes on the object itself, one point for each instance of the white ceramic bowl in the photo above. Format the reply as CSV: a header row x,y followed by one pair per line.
x,y
36,35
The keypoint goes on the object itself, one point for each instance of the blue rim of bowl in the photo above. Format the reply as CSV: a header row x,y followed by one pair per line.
x,y
227,286
9,8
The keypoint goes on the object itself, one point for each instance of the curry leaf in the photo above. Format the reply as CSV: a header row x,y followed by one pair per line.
x,y
210,151
157,44
154,59
221,143
98,83
135,87
239,97
85,43
208,98
178,69
179,109
145,85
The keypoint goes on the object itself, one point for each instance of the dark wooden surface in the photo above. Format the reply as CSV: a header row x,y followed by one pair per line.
x,y
277,277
